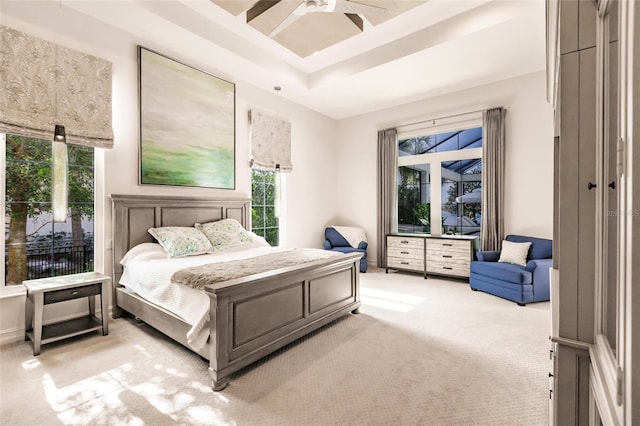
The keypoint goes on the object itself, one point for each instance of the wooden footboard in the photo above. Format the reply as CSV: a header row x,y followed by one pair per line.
x,y
253,316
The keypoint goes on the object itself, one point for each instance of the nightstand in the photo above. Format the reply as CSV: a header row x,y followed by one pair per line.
x,y
46,291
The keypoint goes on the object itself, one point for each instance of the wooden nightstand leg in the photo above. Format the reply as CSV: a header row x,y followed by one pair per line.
x,y
92,305
38,306
28,317
104,308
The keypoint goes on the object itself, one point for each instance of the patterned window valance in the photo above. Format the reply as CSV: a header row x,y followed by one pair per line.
x,y
270,142
43,84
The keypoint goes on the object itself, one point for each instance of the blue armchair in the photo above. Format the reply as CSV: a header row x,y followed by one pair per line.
x,y
521,284
335,241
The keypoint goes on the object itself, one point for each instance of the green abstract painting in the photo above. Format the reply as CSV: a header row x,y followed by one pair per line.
x,y
187,125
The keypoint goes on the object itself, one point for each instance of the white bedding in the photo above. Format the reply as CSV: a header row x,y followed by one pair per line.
x,y
148,271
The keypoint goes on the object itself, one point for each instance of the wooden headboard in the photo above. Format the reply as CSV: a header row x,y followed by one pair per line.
x,y
133,215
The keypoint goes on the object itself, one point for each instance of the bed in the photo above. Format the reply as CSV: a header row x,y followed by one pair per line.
x,y
250,316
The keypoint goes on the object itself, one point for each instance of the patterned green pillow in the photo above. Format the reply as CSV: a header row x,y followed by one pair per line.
x,y
225,233
180,241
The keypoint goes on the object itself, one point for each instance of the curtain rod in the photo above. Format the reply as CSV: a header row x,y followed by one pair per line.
x,y
443,117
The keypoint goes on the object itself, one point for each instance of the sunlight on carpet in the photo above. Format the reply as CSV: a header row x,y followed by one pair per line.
x,y
389,299
421,352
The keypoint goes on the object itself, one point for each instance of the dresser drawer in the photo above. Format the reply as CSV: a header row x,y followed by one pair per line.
x,y
405,263
406,253
405,242
448,246
458,261
451,269
72,293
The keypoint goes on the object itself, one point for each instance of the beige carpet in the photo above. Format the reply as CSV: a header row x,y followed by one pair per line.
x,y
422,352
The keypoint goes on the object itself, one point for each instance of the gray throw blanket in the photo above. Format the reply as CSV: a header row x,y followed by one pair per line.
x,y
212,273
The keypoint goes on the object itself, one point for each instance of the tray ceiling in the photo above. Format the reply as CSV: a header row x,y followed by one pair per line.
x,y
312,32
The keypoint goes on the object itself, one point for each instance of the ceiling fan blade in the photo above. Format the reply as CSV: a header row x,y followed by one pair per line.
x,y
293,17
259,8
302,9
346,6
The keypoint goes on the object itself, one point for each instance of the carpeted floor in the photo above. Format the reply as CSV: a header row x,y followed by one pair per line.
x,y
422,352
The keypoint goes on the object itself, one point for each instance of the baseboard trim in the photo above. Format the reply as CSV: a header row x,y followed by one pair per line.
x,y
11,336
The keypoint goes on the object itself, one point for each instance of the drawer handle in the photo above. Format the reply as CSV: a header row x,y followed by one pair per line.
x,y
404,242
404,252
447,256
404,263
446,267
73,293
447,244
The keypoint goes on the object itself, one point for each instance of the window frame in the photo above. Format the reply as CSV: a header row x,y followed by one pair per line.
x,y
99,247
279,202
435,159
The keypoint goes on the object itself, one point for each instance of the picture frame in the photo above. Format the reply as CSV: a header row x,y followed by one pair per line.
x,y
187,124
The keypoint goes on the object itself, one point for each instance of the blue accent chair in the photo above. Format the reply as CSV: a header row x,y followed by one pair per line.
x,y
521,284
336,242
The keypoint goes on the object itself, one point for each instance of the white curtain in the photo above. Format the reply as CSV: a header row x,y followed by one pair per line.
x,y
43,84
387,182
493,142
270,143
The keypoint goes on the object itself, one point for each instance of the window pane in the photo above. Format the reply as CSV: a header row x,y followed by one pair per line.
x,y
35,247
462,196
441,142
269,195
413,199
271,235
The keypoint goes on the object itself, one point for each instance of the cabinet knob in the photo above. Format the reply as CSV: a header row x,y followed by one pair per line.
x,y
612,185
590,186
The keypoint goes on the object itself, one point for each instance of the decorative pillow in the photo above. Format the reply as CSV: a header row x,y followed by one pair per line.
x,y
144,251
514,252
179,241
225,233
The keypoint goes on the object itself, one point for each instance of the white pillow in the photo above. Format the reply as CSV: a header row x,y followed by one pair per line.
x,y
226,233
144,251
180,241
514,252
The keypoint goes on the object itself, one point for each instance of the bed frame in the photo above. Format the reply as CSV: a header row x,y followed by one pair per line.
x,y
250,316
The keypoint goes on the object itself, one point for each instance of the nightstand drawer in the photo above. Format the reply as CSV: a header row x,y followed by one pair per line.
x,y
72,293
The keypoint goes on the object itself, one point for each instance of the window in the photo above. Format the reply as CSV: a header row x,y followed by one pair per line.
x,y
440,182
264,199
35,246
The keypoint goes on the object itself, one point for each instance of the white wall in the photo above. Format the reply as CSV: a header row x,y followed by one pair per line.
x,y
529,153
309,188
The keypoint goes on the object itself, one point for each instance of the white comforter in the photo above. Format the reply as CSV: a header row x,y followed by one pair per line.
x,y
148,271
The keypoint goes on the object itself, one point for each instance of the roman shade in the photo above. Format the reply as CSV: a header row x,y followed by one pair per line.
x,y
43,84
270,143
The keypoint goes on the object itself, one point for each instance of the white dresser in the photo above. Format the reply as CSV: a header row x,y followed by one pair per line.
x,y
448,255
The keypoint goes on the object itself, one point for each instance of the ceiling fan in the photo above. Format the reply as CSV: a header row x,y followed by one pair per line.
x,y
351,9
